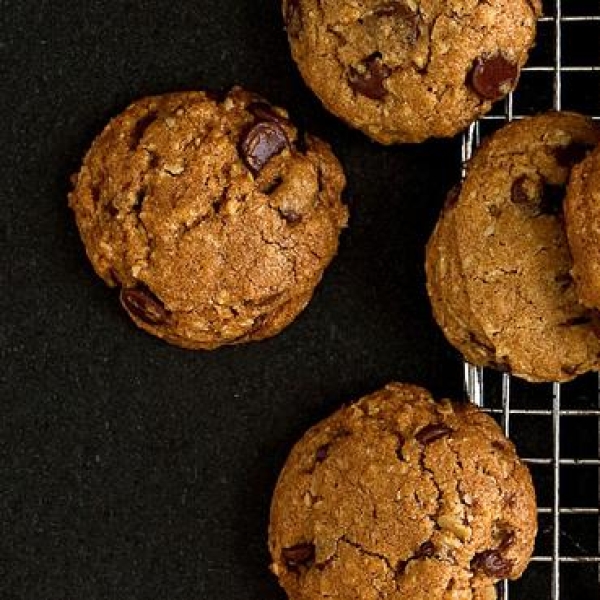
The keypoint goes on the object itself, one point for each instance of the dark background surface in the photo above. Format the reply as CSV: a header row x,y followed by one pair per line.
x,y
129,468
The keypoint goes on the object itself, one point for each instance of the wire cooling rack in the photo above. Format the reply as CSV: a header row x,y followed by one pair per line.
x,y
556,427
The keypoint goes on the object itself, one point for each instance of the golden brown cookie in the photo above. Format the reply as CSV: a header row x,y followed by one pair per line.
x,y
498,265
407,70
214,217
399,497
582,219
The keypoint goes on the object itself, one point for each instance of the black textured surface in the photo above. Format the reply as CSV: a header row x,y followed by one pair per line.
x,y
129,468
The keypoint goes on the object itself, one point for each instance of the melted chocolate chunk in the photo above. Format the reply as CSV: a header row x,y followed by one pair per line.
x,y
433,432
261,143
494,76
144,305
492,563
301,555
368,78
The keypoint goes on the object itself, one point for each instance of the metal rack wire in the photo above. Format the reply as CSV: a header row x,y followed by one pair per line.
x,y
565,546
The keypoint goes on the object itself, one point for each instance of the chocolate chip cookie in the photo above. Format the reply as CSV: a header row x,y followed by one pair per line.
x,y
213,216
498,264
397,496
408,70
582,218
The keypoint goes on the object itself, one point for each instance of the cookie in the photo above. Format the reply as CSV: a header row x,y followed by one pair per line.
x,y
397,496
408,70
498,264
213,216
582,220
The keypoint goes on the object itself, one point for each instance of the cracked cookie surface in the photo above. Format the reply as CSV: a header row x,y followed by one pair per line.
x,y
408,70
582,220
399,497
214,216
498,264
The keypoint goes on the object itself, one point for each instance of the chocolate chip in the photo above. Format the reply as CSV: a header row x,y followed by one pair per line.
x,y
399,446
299,555
433,432
322,453
293,18
569,156
367,79
494,76
144,305
262,142
426,550
552,199
265,112
492,563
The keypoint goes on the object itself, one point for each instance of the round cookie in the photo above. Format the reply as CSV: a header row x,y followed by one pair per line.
x,y
397,496
582,221
214,217
518,309
408,70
